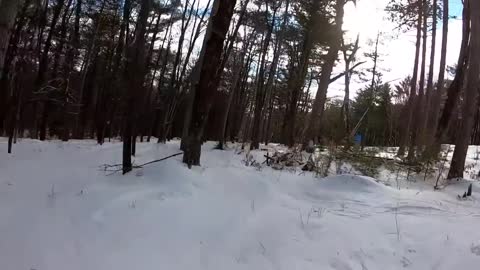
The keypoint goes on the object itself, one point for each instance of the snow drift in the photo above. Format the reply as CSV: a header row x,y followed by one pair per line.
x,y
59,211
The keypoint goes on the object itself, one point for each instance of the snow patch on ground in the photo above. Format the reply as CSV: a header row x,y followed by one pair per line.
x,y
59,210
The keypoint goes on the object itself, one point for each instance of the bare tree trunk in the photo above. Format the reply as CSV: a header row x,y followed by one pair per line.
x,y
313,122
437,96
43,66
372,94
427,133
16,104
208,70
455,86
63,36
172,90
405,131
470,94
298,76
90,53
72,53
345,112
8,12
235,85
162,55
260,90
134,75
8,57
226,55
416,131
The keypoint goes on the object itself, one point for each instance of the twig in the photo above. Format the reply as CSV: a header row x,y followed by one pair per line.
x,y
158,160
264,250
442,168
138,166
396,223
301,219
426,172
52,192
396,178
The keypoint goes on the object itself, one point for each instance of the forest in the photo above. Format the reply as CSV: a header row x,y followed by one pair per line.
x,y
254,71
239,134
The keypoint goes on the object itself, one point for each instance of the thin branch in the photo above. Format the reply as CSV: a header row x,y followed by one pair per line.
x,y
113,171
343,73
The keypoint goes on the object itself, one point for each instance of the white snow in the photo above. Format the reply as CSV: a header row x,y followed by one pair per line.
x,y
60,211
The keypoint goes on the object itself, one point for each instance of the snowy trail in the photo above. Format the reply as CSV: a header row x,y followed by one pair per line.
x,y
58,211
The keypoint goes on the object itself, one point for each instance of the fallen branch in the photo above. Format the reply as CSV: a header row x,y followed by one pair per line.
x,y
158,160
106,166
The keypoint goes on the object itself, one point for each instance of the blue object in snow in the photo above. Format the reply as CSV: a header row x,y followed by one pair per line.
x,y
357,139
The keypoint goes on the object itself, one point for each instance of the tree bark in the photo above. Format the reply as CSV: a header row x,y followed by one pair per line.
x,y
441,75
298,76
134,76
235,86
8,12
90,53
260,88
345,112
172,90
208,70
62,37
456,85
71,55
426,134
470,94
405,131
313,122
7,57
416,131
43,66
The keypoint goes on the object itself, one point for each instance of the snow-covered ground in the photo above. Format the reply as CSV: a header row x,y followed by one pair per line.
x,y
60,211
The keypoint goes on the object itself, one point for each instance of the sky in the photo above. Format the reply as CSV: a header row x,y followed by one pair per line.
x,y
397,49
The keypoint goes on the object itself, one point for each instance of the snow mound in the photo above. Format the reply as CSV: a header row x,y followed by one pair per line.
x,y
348,183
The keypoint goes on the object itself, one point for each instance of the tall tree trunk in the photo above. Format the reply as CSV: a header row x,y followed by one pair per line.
x,y
456,85
62,37
16,104
72,53
172,90
134,76
416,131
431,105
7,53
43,67
372,94
162,57
80,121
405,131
235,85
298,76
8,12
116,80
260,90
345,112
208,70
313,122
163,104
470,94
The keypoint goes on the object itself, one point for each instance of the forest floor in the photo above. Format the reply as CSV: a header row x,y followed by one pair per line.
x,y
60,210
